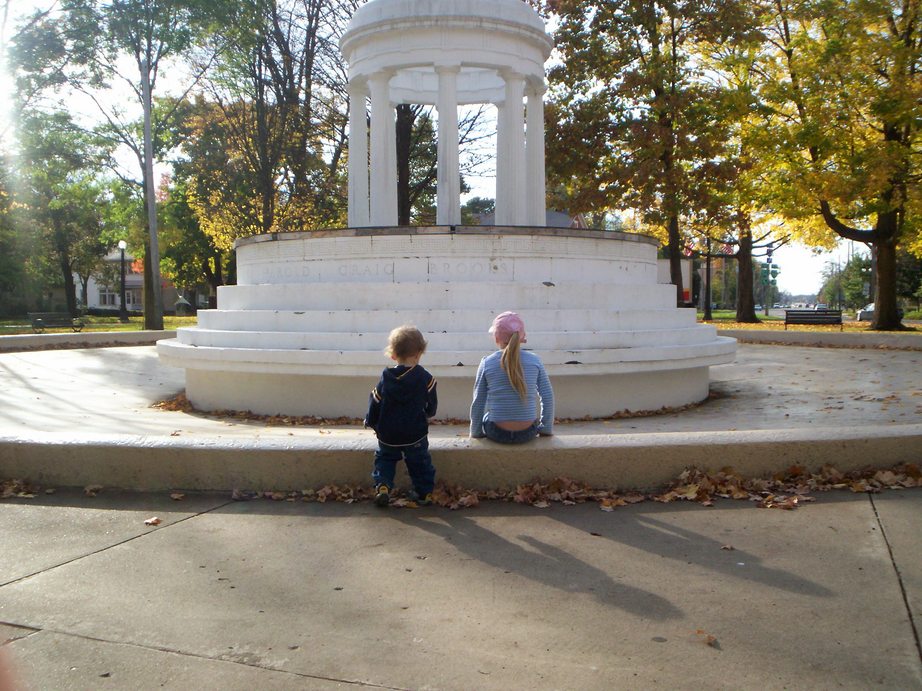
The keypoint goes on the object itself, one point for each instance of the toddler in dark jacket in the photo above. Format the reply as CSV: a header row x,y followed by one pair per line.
x,y
399,409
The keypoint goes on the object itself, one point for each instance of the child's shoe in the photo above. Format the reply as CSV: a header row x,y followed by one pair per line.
x,y
382,495
414,496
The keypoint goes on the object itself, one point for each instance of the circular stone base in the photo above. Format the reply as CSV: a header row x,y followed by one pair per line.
x,y
578,396
303,333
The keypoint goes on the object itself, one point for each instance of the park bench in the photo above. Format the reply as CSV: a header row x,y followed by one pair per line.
x,y
48,320
813,317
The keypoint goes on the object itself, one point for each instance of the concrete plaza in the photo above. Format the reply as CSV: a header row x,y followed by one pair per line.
x,y
291,595
85,416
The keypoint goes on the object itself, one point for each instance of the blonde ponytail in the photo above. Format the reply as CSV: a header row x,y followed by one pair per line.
x,y
512,365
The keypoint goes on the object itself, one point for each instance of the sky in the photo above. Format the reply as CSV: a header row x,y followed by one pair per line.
x,y
801,268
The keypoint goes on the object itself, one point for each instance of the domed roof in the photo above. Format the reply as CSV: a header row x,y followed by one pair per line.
x,y
386,12
407,39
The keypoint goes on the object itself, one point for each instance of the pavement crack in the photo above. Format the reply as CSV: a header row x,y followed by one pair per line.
x,y
899,578
26,631
210,658
113,545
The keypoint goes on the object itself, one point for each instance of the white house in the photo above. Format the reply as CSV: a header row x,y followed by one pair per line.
x,y
99,295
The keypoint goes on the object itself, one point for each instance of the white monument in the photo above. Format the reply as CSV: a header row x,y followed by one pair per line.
x,y
302,333
447,53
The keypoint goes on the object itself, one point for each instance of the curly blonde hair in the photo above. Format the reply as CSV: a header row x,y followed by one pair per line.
x,y
405,342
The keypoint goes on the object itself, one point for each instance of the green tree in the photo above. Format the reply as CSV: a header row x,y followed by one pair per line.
x,y
100,47
191,255
60,198
13,277
475,207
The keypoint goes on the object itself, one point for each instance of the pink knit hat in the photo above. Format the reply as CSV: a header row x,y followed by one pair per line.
x,y
507,324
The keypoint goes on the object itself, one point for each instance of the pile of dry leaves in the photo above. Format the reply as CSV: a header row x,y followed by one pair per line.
x,y
786,490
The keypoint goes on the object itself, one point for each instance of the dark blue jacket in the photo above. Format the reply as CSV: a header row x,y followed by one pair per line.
x,y
401,404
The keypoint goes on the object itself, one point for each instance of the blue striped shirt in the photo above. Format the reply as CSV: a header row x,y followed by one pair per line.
x,y
495,397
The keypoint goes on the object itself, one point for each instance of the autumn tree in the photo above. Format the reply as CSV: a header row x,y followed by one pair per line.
x,y
843,81
631,119
278,104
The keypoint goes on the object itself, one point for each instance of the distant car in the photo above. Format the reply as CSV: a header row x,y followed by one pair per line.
x,y
758,307
866,313
776,306
821,306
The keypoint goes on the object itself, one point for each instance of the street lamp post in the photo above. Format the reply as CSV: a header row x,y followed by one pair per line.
x,y
122,310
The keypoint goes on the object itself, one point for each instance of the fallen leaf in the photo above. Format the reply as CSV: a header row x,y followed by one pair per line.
x,y
152,521
707,638
92,490
177,496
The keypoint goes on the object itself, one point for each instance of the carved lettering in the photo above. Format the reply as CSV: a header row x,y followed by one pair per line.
x,y
460,269
365,270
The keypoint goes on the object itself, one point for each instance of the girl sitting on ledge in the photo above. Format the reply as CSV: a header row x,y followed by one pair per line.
x,y
513,398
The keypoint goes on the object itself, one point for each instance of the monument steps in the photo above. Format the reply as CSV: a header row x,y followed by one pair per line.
x,y
450,362
415,295
434,321
456,340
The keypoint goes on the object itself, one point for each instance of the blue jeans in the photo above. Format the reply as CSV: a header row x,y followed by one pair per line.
x,y
504,436
418,460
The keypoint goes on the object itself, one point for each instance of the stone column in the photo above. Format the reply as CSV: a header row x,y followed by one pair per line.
x,y
383,153
448,204
534,151
515,150
358,156
502,211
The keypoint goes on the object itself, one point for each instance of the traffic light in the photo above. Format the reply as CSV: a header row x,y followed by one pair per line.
x,y
765,269
774,271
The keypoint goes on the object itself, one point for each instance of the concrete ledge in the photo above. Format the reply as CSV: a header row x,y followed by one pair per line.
x,y
92,339
830,339
343,456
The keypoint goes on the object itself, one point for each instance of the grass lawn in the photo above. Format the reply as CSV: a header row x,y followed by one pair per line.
x,y
723,319
726,319
10,327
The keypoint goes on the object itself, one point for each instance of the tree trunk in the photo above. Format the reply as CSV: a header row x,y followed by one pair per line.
x,y
745,310
675,259
70,288
405,118
708,316
886,315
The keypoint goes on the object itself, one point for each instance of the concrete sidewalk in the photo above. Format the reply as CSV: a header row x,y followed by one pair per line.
x,y
276,595
80,417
